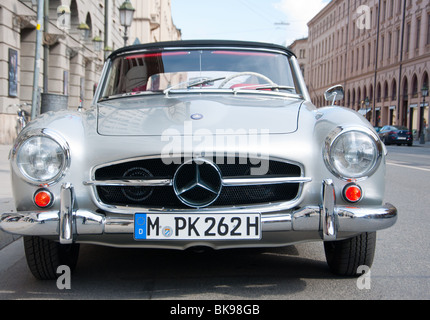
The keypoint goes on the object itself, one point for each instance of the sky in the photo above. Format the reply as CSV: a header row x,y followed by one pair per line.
x,y
274,21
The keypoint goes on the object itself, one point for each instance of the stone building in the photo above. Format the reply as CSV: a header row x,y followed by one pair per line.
x,y
153,22
71,63
300,49
377,49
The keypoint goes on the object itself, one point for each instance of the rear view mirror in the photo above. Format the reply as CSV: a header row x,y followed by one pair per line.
x,y
334,93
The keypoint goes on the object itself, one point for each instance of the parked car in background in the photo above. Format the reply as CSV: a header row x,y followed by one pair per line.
x,y
200,143
396,135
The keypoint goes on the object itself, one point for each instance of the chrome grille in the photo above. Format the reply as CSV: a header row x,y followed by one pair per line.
x,y
149,183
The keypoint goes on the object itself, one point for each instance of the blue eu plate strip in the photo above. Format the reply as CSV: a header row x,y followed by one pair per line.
x,y
140,226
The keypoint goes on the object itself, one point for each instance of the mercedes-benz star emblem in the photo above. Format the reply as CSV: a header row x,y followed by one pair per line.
x,y
197,116
197,183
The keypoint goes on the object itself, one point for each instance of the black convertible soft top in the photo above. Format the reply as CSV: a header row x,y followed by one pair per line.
x,y
199,43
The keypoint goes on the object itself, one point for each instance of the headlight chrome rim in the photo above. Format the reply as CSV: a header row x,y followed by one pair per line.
x,y
47,134
339,133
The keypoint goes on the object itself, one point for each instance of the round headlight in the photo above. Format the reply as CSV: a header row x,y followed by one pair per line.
x,y
41,159
353,154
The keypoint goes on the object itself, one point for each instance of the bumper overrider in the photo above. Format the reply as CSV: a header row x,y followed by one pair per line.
x,y
327,218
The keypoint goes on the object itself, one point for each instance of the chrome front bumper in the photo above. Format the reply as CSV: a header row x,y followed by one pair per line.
x,y
327,219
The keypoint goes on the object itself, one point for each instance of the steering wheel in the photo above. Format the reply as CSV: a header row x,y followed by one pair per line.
x,y
258,75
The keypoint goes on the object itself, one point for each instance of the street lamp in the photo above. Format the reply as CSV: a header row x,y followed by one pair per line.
x,y
424,93
98,42
63,17
126,12
84,30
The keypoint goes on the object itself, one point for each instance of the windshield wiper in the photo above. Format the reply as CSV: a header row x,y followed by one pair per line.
x,y
265,87
129,94
204,81
192,83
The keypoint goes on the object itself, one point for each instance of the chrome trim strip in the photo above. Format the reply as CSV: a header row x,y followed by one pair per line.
x,y
131,183
66,214
243,181
226,182
350,220
329,222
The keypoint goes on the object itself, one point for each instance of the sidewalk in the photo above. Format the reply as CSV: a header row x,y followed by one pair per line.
x,y
5,186
6,200
426,145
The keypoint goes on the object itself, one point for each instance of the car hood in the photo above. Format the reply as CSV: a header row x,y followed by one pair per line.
x,y
197,115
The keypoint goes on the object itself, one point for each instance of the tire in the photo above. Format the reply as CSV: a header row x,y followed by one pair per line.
x,y
45,256
345,256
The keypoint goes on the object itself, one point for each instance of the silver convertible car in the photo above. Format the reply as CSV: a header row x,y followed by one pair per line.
x,y
199,144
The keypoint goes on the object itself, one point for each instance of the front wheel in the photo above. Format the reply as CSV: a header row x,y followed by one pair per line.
x,y
45,256
345,256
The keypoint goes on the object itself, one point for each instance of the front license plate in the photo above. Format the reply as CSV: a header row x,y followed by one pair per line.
x,y
197,227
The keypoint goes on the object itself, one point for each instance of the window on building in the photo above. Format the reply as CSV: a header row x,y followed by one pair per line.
x,y
394,90
385,91
417,41
383,10
397,46
428,28
391,8
414,86
369,48
389,45
408,37
373,53
357,59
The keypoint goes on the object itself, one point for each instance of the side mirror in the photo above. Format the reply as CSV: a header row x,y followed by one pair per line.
x,y
334,93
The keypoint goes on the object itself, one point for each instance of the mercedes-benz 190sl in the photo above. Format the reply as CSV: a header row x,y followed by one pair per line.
x,y
199,144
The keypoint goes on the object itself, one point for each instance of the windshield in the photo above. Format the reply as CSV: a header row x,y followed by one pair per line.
x,y
167,71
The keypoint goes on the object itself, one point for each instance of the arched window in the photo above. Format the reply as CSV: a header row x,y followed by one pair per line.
x,y
74,18
394,90
414,86
353,98
385,91
359,97
348,99
405,90
378,93
90,24
425,82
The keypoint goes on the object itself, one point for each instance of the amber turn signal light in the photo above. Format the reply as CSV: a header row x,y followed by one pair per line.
x,y
353,193
43,198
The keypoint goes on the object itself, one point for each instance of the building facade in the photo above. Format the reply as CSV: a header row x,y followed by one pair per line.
x,y
152,22
300,49
71,63
376,49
